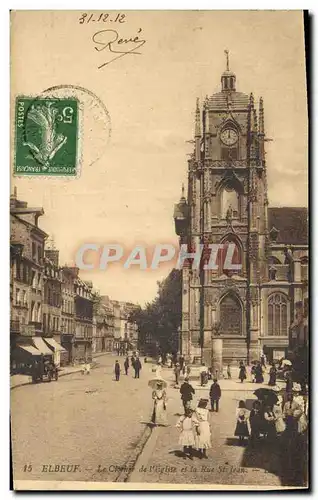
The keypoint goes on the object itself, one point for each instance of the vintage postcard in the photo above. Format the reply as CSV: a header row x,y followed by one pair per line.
x,y
159,250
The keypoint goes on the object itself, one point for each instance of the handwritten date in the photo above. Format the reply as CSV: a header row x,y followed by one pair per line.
x,y
101,18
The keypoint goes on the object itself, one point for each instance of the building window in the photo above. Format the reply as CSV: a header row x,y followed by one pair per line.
x,y
33,251
33,279
277,315
17,295
18,270
25,273
39,254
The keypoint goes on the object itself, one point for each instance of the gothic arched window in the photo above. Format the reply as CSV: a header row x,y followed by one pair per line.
x,y
231,253
277,315
230,315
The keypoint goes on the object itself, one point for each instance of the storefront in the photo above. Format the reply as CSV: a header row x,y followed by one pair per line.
x,y
58,350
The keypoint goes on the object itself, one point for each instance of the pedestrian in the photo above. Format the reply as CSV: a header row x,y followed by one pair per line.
x,y
203,437
159,414
242,372
215,395
228,370
126,365
188,371
289,382
133,360
186,391
270,420
181,362
259,379
188,426
272,375
256,419
253,373
294,416
203,375
137,367
278,412
160,360
177,373
242,417
263,362
117,370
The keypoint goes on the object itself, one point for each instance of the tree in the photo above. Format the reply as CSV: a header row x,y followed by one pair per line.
x,y
160,319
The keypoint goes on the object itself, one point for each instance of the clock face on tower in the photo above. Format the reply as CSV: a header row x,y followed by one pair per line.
x,y
229,136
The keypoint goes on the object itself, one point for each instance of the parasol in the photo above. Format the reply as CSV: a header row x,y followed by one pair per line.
x,y
267,395
286,362
155,381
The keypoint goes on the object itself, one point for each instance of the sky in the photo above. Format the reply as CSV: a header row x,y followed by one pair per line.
x,y
129,183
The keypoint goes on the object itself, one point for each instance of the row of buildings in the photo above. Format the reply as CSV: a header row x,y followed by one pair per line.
x,y
52,309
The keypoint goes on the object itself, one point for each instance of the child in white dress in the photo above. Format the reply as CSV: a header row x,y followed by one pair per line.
x,y
188,425
203,437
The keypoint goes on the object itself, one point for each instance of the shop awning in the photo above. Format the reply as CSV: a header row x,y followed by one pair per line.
x,y
30,349
55,345
41,346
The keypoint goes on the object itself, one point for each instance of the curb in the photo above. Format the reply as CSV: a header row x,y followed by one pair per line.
x,y
61,375
130,463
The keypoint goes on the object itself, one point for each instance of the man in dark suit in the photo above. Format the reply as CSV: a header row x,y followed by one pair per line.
x,y
186,391
137,367
117,371
215,395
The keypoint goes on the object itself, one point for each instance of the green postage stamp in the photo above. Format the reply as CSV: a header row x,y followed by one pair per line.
x,y
46,136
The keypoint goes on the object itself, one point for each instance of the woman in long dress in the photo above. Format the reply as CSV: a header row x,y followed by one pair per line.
x,y
279,420
242,416
270,419
203,437
255,421
159,415
272,375
188,426
242,373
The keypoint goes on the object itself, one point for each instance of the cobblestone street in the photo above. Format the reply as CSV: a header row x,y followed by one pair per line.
x,y
91,421
95,427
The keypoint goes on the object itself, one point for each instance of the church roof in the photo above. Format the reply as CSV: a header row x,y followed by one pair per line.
x,y
291,222
238,100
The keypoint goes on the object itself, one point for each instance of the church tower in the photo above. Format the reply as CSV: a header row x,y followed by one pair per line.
x,y
226,204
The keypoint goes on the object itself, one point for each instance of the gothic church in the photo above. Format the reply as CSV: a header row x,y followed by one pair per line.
x,y
236,315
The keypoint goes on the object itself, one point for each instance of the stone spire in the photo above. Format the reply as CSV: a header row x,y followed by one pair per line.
x,y
197,120
197,133
261,117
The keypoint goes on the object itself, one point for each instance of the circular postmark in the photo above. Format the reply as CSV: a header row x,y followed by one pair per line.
x,y
60,131
95,122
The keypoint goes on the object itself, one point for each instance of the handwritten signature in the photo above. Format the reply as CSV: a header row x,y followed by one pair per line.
x,y
111,41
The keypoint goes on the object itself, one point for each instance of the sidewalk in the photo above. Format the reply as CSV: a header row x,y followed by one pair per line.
x,y
162,462
19,380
